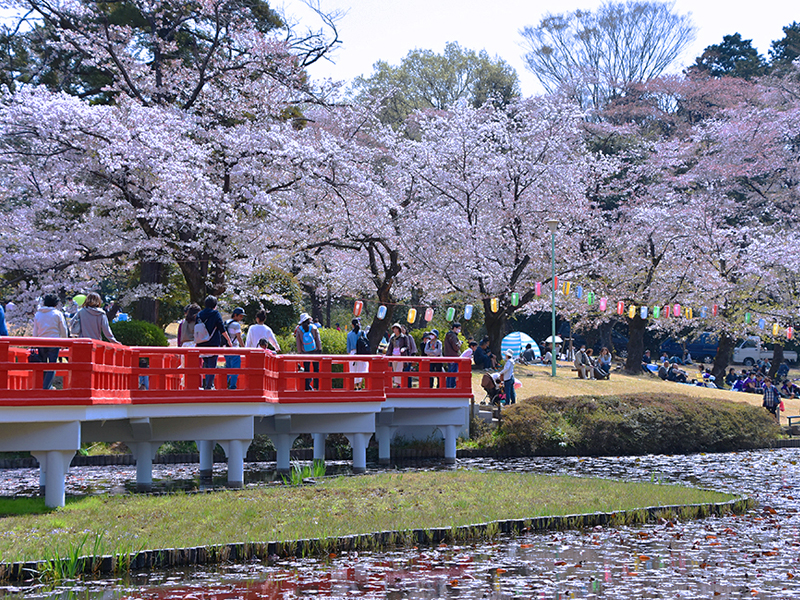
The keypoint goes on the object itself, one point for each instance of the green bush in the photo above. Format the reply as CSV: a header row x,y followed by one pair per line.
x,y
333,341
631,424
139,333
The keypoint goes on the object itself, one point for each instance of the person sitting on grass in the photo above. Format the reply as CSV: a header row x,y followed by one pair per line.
x,y
583,364
738,385
604,363
677,375
731,377
528,356
483,358
663,370
789,389
751,384
783,370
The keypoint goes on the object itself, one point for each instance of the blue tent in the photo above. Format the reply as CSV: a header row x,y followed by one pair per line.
x,y
517,341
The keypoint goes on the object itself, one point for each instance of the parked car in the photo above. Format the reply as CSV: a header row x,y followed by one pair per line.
x,y
749,351
703,348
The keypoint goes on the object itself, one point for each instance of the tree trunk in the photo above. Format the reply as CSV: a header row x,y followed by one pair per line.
x,y
204,276
146,309
636,329
777,360
495,326
380,326
328,310
605,336
723,357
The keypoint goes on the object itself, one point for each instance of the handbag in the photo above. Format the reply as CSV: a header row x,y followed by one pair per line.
x,y
34,356
783,408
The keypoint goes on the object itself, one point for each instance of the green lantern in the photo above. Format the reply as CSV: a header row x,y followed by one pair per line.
x,y
748,318
451,314
515,299
656,312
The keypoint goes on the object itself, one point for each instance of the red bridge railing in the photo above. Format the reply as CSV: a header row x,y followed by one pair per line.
x,y
91,372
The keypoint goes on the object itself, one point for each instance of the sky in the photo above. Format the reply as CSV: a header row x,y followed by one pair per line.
x,y
373,30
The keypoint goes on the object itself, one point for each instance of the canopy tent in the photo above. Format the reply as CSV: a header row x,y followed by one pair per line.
x,y
517,341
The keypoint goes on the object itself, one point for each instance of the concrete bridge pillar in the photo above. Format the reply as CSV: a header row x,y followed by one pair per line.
x,y
319,446
359,442
144,452
450,435
384,434
56,465
283,446
206,450
235,450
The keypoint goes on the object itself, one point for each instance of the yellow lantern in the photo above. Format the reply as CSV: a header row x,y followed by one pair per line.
x,y
495,305
775,329
631,311
412,315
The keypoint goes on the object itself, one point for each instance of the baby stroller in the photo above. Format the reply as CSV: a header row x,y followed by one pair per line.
x,y
494,394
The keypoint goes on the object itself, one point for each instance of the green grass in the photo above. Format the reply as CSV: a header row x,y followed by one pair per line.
x,y
341,506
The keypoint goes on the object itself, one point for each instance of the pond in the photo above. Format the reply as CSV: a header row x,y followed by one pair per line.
x,y
750,556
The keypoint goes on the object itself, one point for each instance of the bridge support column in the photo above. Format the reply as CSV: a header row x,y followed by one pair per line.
x,y
359,443
42,477
56,465
450,434
206,450
235,450
319,445
144,453
283,446
384,434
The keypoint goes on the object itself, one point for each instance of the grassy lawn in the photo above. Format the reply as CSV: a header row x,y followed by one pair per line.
x,y
537,381
341,506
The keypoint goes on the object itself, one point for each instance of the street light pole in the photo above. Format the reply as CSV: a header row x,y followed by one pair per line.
x,y
553,225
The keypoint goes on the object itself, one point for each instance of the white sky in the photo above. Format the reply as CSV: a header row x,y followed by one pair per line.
x,y
373,30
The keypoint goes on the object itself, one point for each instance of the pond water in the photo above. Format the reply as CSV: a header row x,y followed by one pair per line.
x,y
751,556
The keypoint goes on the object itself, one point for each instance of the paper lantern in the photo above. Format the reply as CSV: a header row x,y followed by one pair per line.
x,y
603,303
656,312
789,333
748,318
357,308
590,298
643,312
79,299
494,305
620,307
775,329
714,310
381,312
428,314
762,323
667,310
515,299
631,311
451,314
567,287
412,315
468,312
676,310
703,312
688,312
579,292
538,288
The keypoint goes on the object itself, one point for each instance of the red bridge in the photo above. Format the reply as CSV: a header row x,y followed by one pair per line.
x,y
145,396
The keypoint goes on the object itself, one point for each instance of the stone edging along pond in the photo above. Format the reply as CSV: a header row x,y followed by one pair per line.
x,y
383,540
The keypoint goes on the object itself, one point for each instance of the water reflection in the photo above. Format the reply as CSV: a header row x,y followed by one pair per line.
x,y
749,556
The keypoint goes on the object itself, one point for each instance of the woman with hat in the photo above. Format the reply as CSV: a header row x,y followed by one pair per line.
x,y
507,374
306,336
398,346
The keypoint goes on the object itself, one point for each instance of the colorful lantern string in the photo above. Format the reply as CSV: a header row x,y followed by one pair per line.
x,y
775,329
495,305
590,298
748,318
688,312
789,333
631,311
451,314
643,312
676,310
381,312
428,314
714,310
412,315
704,312
578,291
515,299
762,323
357,308
567,288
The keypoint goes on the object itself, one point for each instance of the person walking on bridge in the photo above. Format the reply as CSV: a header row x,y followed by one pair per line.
x,y
211,318
307,339
49,323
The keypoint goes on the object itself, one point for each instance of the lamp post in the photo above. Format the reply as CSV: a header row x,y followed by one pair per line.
x,y
553,225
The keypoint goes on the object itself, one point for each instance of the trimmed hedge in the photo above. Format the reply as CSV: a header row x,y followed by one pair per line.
x,y
631,424
139,333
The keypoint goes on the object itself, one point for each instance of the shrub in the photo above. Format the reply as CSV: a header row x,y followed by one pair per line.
x,y
272,282
333,341
139,333
631,424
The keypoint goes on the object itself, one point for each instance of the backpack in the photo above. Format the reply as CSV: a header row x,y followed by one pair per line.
x,y
201,333
362,344
75,324
309,344
227,324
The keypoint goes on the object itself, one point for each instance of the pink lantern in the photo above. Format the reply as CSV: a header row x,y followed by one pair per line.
x,y
429,314
358,307
676,310
538,288
603,304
